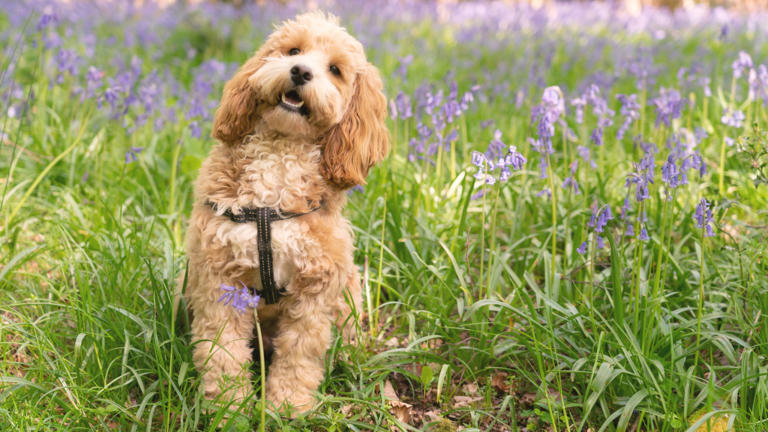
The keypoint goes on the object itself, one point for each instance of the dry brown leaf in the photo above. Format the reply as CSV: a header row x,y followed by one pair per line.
x,y
528,398
499,381
470,389
392,342
462,401
389,392
401,410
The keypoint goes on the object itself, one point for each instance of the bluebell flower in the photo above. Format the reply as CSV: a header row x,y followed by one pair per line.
x,y
546,115
630,110
643,234
496,147
670,174
742,63
703,216
584,154
579,103
729,141
733,118
625,208
402,67
239,299
403,104
194,129
669,106
132,153
47,19
600,242
583,248
491,161
514,158
700,134
570,181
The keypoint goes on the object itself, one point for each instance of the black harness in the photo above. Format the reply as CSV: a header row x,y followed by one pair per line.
x,y
263,216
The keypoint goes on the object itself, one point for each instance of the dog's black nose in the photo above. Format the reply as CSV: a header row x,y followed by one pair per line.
x,y
301,74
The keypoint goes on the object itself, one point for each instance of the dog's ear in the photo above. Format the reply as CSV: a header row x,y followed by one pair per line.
x,y
361,139
236,116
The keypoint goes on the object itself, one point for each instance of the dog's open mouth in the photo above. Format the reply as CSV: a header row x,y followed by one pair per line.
x,y
291,101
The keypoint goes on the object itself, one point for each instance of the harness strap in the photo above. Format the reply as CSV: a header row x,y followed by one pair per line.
x,y
263,217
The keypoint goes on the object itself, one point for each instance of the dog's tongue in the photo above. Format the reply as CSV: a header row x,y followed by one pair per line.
x,y
293,97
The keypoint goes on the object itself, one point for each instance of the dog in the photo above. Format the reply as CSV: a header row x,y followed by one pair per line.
x,y
299,124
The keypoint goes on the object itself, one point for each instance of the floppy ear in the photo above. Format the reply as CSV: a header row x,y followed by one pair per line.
x,y
361,139
236,116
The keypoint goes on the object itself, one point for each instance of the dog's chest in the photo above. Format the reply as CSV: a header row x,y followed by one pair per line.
x,y
282,178
285,178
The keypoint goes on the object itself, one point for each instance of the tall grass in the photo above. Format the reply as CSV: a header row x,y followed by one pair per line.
x,y
475,292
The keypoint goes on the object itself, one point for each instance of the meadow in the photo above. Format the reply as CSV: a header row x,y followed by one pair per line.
x,y
569,233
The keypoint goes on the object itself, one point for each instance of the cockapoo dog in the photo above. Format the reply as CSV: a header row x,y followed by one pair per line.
x,y
300,123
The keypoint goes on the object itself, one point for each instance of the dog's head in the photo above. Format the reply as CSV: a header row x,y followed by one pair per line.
x,y
311,80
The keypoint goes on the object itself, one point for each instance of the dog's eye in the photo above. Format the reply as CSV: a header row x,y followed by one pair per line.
x,y
335,70
294,51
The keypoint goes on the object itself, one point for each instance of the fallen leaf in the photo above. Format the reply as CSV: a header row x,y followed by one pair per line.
x,y
462,401
401,410
389,392
499,381
470,389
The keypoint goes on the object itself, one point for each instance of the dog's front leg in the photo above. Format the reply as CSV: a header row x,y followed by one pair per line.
x,y
222,353
304,334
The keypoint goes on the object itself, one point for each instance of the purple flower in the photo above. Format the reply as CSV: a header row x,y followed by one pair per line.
x,y
644,172
643,234
514,158
671,175
239,299
547,114
570,181
492,160
402,106
729,141
132,153
703,216
47,19
583,248
579,103
743,62
584,153
669,106
402,68
600,242
496,147
194,129
733,118
630,110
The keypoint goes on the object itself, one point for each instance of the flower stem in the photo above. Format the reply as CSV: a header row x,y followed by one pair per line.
x,y
262,370
701,302
554,213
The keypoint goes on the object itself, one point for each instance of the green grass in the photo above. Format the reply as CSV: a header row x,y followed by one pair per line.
x,y
472,318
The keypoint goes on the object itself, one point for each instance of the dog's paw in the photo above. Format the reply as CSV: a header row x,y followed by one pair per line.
x,y
293,405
